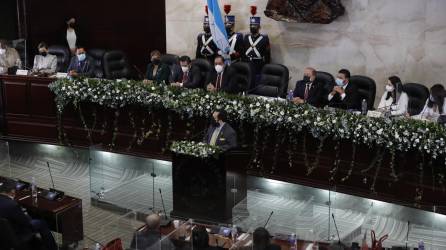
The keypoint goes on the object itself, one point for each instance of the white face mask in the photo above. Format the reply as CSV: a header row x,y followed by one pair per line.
x,y
184,69
2,51
219,68
389,88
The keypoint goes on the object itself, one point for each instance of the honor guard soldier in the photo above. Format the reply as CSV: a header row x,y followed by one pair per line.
x,y
206,47
257,46
235,39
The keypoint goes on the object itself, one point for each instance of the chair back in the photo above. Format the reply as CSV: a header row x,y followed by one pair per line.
x,y
418,95
116,65
366,90
241,76
63,56
97,56
273,82
205,69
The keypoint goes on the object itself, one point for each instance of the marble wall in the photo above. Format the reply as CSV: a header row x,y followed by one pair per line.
x,y
376,38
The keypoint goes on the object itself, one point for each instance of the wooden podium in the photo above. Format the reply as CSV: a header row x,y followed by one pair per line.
x,y
207,189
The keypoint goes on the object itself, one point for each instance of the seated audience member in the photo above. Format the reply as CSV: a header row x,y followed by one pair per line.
x,y
81,64
261,240
157,72
435,104
200,239
190,76
9,57
308,90
220,80
23,226
150,236
220,133
344,95
394,98
43,62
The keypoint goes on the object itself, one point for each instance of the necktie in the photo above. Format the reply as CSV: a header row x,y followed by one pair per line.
x,y
185,76
214,136
218,83
307,89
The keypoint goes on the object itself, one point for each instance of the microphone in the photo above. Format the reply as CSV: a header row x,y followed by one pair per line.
x,y
407,234
269,217
164,221
337,231
52,194
140,74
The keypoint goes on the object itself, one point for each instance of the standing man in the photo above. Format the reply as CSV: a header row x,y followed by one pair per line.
x,y
235,39
206,48
220,133
257,46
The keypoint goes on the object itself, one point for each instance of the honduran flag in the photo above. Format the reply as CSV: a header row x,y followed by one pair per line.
x,y
217,26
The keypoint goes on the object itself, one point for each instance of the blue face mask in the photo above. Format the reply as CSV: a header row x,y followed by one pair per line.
x,y
81,57
339,82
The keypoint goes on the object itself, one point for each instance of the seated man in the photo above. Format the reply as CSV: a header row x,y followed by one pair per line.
x,y
308,90
44,63
21,223
150,236
220,133
220,80
190,76
344,95
9,57
81,65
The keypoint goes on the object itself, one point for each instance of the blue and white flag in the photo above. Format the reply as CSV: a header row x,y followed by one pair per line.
x,y
217,26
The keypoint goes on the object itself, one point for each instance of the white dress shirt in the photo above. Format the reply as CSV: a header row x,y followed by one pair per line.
x,y
430,114
330,96
400,108
45,64
71,38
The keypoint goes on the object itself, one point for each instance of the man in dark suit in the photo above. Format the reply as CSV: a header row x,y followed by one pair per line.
x,y
81,65
21,223
344,94
220,133
221,77
308,90
150,236
190,76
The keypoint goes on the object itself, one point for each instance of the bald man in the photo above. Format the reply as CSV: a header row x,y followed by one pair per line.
x,y
150,237
308,90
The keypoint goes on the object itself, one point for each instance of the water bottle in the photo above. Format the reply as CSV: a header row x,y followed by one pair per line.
x,y
364,107
97,246
293,241
290,95
33,189
421,245
234,233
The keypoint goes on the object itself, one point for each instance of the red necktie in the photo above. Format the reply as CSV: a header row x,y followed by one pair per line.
x,y
185,77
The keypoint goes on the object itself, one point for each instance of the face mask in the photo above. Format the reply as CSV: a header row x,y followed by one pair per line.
x,y
389,88
43,53
71,25
306,79
2,51
339,82
219,68
156,61
184,69
207,29
254,30
81,57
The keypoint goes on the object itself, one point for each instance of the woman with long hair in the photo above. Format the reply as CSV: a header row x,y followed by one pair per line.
x,y
394,98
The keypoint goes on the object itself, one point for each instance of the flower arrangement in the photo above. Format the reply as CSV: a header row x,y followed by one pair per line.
x,y
397,134
197,149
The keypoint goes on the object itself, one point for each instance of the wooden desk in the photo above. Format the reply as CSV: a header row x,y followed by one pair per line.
x,y
63,216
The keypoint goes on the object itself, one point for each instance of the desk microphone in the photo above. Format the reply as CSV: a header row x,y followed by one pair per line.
x,y
165,221
52,193
407,234
337,231
269,217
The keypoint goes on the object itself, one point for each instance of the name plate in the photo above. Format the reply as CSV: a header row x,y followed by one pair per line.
x,y
375,114
61,75
21,72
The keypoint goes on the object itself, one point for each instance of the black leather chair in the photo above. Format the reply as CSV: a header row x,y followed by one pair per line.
x,y
170,59
242,76
205,69
63,56
366,89
273,82
116,65
98,61
20,46
418,95
328,81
